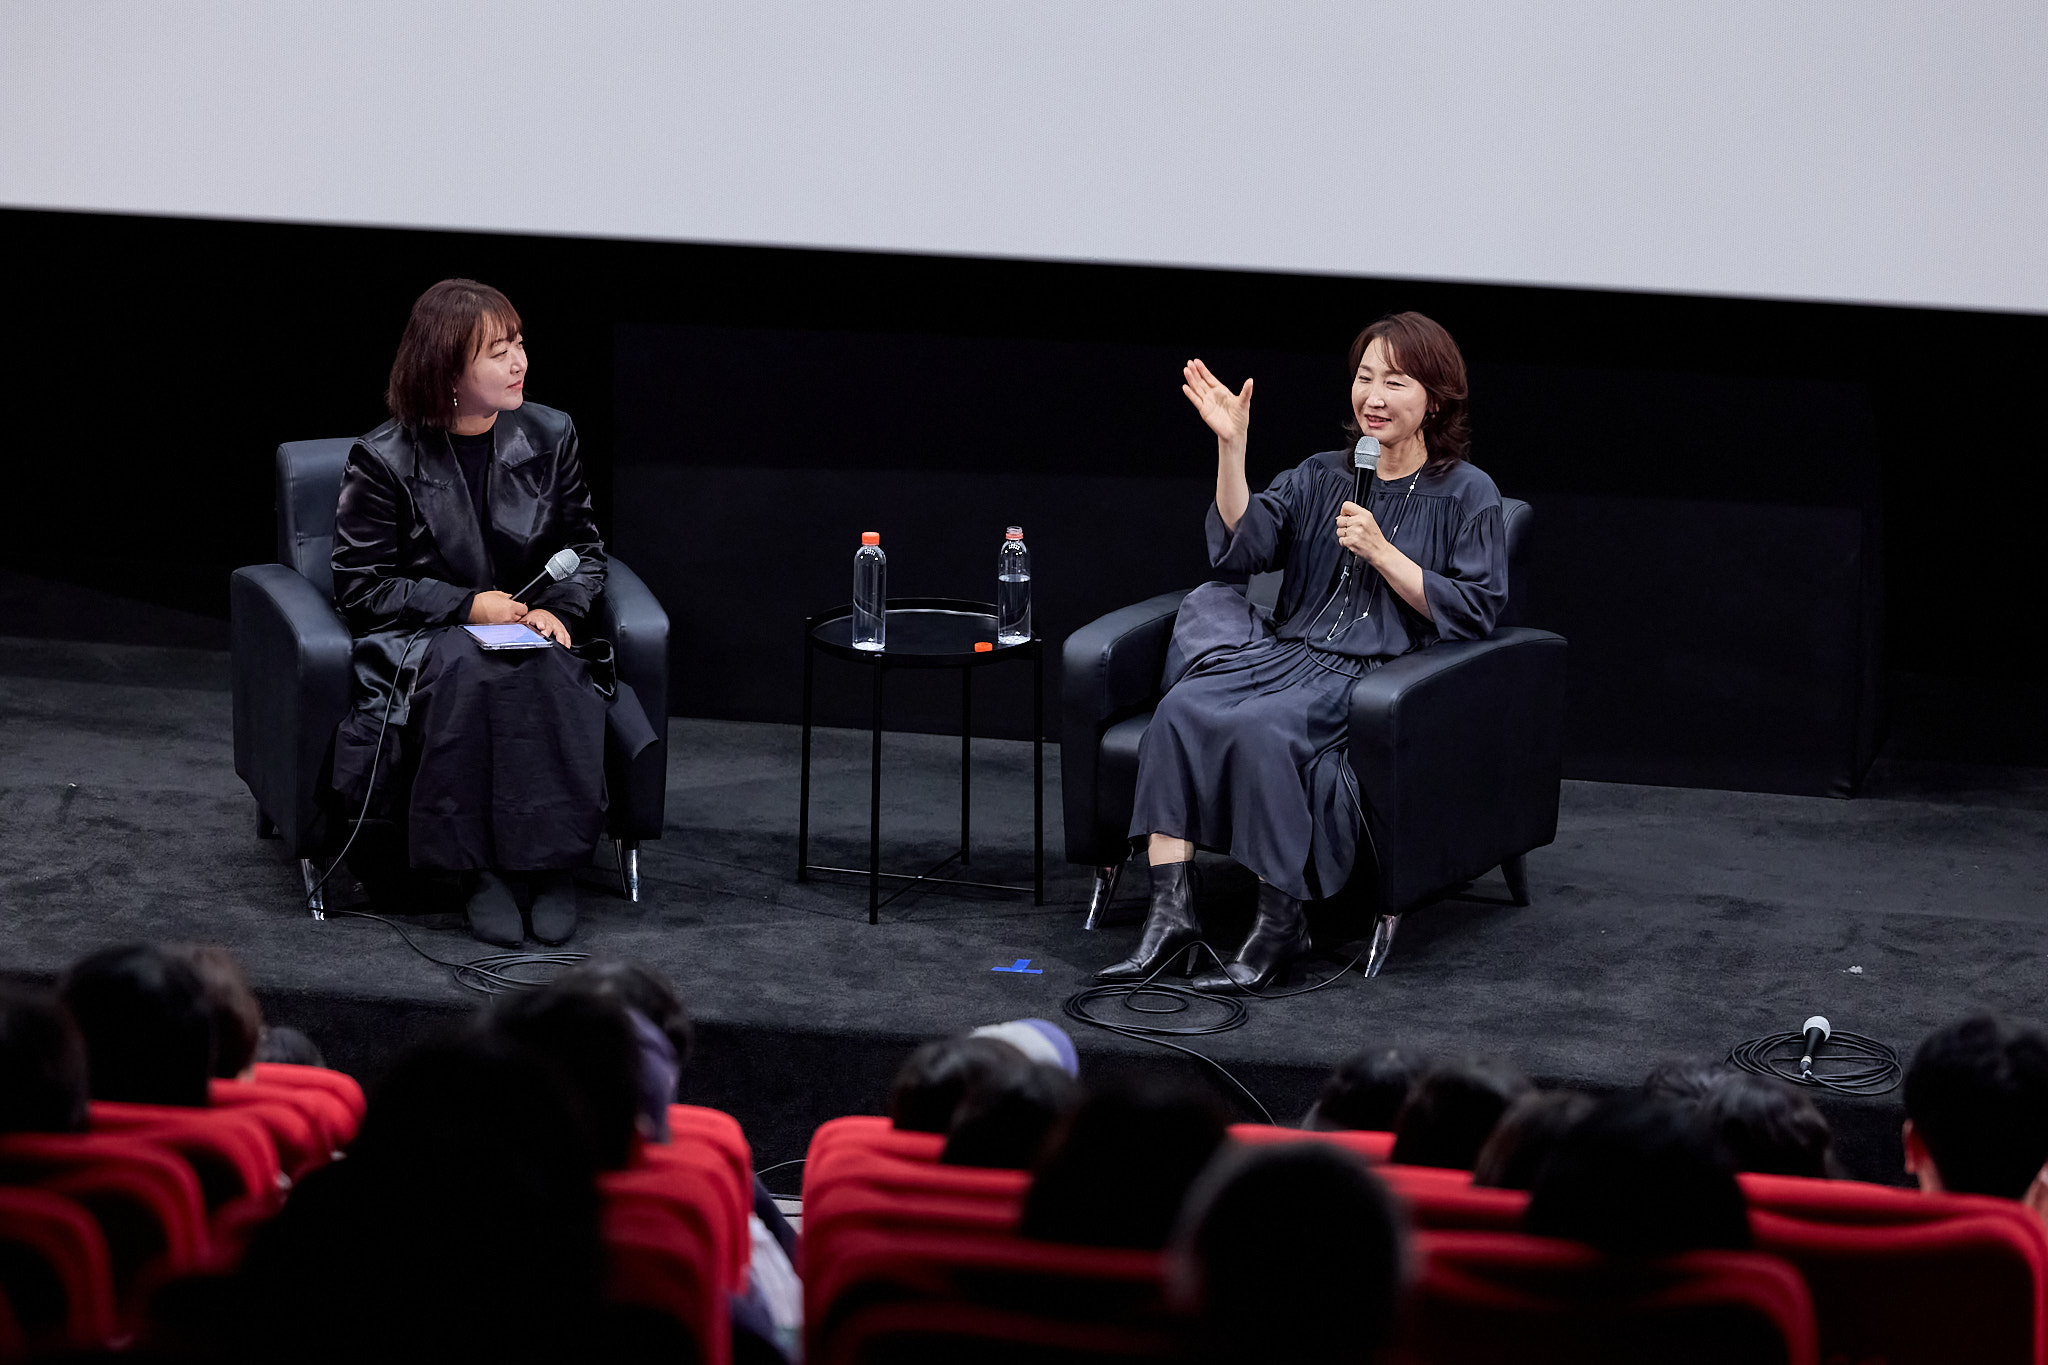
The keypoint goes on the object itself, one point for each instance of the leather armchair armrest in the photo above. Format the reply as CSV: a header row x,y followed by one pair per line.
x,y
631,617
1459,752
1109,669
291,681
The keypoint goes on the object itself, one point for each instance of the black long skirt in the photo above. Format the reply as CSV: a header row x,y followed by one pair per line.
x,y
499,764
1247,755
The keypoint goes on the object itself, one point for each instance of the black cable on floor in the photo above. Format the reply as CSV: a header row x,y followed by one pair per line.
x,y
1854,1064
486,975
1170,999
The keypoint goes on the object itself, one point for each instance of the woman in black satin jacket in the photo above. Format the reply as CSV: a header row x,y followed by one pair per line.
x,y
491,760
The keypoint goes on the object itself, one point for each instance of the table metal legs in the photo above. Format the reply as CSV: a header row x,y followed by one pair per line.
x,y
875,811
966,755
1037,772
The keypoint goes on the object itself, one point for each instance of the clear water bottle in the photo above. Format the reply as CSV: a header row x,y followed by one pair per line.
x,y
1013,590
870,592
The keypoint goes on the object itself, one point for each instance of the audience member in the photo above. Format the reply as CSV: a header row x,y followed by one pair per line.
x,y
1041,1040
1639,1177
237,1017
1977,1111
1767,1126
645,991
463,1226
1292,1252
1006,1126
1451,1112
43,1086
934,1079
1366,1091
1115,1173
1684,1079
589,1040
148,1030
281,1043
1525,1137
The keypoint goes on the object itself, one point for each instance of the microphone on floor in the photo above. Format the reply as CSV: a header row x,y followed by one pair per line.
x,y
560,565
1817,1032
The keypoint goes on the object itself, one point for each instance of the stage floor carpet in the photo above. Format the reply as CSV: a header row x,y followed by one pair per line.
x,y
1664,922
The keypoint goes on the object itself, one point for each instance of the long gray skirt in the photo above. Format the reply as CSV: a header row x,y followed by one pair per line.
x,y
1247,755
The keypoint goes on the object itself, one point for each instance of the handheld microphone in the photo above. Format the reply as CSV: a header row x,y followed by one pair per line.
x,y
1365,461
1817,1032
560,565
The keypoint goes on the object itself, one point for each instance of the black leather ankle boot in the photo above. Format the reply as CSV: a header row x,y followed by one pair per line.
x,y
1170,925
494,911
1278,938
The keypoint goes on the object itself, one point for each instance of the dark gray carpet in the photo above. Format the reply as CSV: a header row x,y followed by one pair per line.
x,y
1664,921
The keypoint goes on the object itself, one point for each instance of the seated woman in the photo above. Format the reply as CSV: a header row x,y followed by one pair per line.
x,y
1246,753
491,761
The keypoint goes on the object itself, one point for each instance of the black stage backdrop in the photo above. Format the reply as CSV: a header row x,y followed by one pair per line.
x,y
1748,511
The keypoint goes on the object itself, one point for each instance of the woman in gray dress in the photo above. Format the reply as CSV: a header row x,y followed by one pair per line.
x,y
1246,752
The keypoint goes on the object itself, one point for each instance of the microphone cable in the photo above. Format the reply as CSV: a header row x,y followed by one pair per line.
x,y
1858,1065
376,757
1152,997
490,974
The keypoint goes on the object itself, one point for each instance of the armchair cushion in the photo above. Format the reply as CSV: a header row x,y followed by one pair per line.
x,y
1111,669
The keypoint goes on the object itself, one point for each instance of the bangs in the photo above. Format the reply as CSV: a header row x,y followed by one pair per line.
x,y
498,321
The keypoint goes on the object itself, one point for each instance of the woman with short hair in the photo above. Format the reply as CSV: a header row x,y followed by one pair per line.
x,y
492,761
1246,752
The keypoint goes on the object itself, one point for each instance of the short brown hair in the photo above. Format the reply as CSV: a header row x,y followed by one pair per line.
x,y
237,1017
450,323
1420,348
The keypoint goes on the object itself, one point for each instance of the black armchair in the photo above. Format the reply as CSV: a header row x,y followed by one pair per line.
x,y
1458,750
292,678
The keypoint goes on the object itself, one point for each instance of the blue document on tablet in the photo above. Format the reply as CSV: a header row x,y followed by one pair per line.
x,y
509,636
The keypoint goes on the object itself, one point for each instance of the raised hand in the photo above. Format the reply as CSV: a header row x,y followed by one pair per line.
x,y
1227,414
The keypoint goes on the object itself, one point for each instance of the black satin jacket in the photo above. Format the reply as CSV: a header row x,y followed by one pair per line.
x,y
408,551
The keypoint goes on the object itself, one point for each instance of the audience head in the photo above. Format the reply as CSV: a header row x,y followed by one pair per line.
x,y
1639,1177
934,1079
1007,1125
1685,1080
1977,1108
280,1043
147,1027
1366,1091
463,1225
1765,1125
1451,1112
237,1018
1115,1173
645,991
1041,1040
660,1024
588,1039
42,1066
1289,1252
1525,1137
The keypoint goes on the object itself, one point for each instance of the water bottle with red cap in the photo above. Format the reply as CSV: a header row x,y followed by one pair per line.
x,y
1013,590
870,592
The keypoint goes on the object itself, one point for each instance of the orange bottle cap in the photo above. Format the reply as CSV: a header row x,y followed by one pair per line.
x,y
871,537
984,646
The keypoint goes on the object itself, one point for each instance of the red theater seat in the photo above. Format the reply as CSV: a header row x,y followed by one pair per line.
x,y
1074,1293
667,1255
55,1272
1967,1286
1372,1145
338,1085
721,1132
146,1201
296,1138
703,1178
334,1123
1487,1297
868,1134
231,1153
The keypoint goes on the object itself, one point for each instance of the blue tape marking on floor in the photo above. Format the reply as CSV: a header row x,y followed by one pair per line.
x,y
1022,966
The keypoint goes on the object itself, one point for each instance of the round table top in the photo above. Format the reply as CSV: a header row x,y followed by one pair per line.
x,y
922,633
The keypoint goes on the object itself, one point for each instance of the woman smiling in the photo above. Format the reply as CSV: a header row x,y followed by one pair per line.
x,y
1247,751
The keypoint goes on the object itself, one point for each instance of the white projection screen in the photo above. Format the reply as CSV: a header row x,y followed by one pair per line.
x,y
1801,149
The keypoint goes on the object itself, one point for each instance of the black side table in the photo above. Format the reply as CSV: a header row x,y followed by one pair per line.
x,y
924,632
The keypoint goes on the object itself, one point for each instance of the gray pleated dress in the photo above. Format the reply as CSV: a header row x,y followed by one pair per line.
x,y
1246,752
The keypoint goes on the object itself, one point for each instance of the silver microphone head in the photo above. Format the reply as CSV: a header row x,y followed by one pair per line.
x,y
1367,456
1818,1021
561,564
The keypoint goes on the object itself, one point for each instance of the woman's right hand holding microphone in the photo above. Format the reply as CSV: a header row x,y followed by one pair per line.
x,y
494,608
